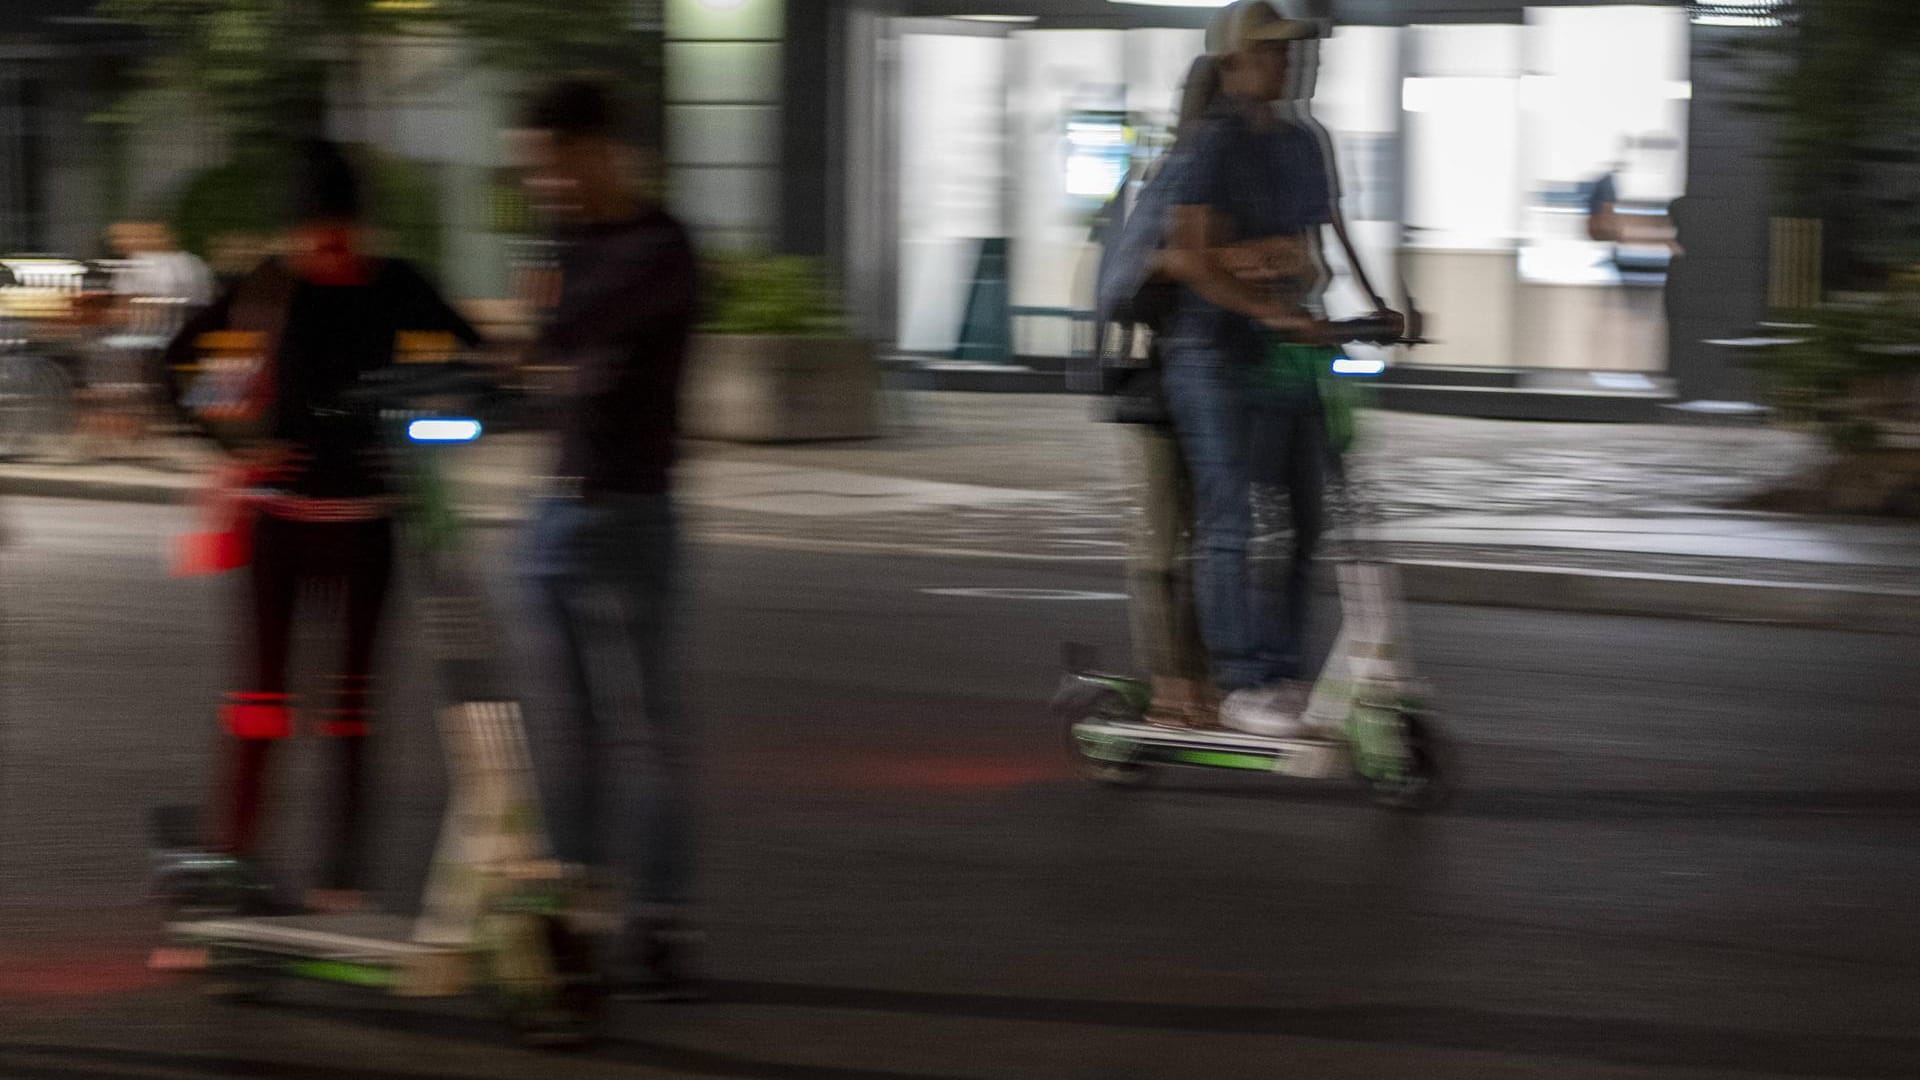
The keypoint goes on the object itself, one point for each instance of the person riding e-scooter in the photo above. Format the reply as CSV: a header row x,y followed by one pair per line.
x,y
306,498
1245,354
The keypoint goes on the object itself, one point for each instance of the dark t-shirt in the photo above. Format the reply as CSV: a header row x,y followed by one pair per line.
x,y
625,316
331,336
1265,181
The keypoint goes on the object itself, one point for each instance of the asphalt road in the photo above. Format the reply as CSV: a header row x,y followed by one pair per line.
x,y
1679,849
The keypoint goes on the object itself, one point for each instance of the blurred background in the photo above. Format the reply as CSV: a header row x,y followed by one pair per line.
x,y
1653,487
939,165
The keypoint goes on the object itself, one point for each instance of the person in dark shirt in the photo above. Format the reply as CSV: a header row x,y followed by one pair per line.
x,y
264,370
1246,345
603,552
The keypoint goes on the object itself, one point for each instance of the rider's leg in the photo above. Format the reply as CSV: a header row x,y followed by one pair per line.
x,y
1206,393
650,756
257,717
606,573
1289,451
1188,661
652,760
1161,604
366,549
564,745
254,719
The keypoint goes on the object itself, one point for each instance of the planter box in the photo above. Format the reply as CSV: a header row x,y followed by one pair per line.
x,y
780,389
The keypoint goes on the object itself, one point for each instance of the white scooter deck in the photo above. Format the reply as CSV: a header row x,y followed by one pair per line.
x,y
1312,758
490,838
359,949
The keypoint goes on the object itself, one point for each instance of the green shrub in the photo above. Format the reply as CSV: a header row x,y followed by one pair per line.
x,y
247,194
1851,373
784,295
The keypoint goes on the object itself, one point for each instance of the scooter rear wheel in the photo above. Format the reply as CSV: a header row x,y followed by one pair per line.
x,y
1419,782
544,978
236,978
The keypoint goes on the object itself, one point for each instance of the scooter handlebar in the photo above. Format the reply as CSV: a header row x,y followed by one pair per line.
x,y
1379,328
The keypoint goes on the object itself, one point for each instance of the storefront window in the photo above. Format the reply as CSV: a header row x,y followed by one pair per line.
x,y
953,109
1603,123
1517,174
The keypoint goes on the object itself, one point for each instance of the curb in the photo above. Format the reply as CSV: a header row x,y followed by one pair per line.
x,y
144,492
1669,596
1597,592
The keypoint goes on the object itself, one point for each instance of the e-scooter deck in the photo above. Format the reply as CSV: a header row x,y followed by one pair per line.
x,y
365,950
1138,743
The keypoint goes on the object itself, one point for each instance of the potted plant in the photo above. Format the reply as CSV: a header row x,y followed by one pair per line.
x,y
772,361
1853,376
1842,91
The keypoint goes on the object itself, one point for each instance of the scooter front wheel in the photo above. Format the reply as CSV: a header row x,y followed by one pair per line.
x,y
1416,781
1105,760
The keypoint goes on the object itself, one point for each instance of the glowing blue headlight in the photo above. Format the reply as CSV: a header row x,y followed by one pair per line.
x,y
444,430
1348,365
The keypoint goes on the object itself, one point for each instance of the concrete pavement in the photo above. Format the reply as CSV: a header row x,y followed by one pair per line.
x,y
1634,519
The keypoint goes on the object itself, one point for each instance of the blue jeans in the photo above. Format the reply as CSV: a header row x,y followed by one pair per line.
x,y
605,574
1237,431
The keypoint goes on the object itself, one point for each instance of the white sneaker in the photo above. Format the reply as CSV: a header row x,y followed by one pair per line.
x,y
1328,723
1271,711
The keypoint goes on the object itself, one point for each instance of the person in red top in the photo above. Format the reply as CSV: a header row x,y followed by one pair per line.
x,y
313,323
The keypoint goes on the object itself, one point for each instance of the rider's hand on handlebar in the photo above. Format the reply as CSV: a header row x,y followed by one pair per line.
x,y
1295,323
1392,320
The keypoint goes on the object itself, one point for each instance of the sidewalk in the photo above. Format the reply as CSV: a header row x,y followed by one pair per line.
x,y
1629,518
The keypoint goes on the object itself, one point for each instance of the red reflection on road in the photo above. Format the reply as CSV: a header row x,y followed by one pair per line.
x,y
960,773
76,972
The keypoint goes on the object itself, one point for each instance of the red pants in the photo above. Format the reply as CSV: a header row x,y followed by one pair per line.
x,y
356,559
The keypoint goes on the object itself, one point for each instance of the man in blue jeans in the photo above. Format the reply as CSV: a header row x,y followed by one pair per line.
x,y
604,546
1241,377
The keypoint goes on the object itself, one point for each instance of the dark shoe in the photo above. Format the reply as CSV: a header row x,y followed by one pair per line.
x,y
657,963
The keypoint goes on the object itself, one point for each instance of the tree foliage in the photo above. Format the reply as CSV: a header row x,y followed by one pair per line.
x,y
1844,92
261,70
244,195
262,66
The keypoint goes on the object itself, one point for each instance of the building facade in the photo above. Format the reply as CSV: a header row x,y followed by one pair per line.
x,y
968,144
946,159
